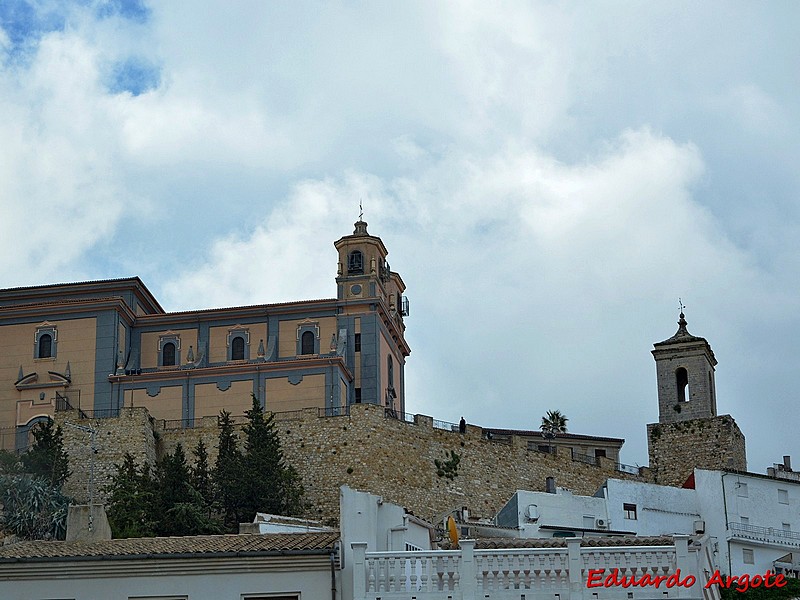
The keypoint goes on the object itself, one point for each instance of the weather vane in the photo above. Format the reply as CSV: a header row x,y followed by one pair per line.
x,y
680,303
361,211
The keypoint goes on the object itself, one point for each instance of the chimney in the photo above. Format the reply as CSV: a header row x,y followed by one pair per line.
x,y
550,485
787,463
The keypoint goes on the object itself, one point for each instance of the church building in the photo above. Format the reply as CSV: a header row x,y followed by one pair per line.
x,y
98,346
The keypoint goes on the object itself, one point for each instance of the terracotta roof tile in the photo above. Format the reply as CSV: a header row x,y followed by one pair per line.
x,y
278,543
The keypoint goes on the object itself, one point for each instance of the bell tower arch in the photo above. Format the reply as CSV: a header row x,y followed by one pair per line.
x,y
689,433
685,373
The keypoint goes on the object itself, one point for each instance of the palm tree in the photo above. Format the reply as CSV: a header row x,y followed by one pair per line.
x,y
553,423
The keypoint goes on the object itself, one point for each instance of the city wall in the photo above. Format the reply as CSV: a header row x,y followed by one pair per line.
x,y
676,449
364,450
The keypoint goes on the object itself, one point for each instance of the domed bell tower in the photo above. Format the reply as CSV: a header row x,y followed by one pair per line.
x,y
364,272
371,312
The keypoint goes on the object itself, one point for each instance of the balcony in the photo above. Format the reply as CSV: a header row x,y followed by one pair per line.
x,y
766,535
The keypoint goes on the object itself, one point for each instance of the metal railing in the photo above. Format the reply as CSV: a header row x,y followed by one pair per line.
x,y
630,469
753,531
334,411
445,425
69,402
584,458
390,413
100,413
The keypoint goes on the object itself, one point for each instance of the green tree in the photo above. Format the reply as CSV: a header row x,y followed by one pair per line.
x,y
201,474
181,508
47,458
271,485
33,508
553,424
228,475
132,501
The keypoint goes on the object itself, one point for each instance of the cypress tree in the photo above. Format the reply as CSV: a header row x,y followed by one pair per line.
x,y
227,475
131,504
271,485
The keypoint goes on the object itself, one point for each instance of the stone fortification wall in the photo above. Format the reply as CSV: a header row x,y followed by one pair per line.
x,y
676,449
131,432
365,450
395,459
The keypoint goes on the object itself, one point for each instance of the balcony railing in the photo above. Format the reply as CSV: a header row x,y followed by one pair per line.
x,y
753,532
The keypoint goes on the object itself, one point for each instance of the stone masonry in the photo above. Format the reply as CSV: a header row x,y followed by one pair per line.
x,y
131,432
676,449
366,451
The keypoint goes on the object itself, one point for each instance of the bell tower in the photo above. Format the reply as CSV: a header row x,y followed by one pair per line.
x,y
689,433
685,373
371,312
363,271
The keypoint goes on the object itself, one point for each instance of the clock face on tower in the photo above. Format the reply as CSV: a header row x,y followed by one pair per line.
x,y
355,289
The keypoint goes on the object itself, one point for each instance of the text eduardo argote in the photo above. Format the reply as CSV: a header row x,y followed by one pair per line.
x,y
741,583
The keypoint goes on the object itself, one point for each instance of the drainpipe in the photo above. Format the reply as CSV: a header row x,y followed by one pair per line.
x,y
333,575
725,512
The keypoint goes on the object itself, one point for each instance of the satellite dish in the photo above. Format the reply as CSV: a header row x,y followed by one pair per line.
x,y
452,530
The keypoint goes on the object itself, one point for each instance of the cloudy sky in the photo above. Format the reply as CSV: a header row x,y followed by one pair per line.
x,y
549,179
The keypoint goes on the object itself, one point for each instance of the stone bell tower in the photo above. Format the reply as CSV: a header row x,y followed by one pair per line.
x,y
689,433
685,373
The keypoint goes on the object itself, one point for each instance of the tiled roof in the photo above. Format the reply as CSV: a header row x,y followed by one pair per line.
x,y
561,436
199,545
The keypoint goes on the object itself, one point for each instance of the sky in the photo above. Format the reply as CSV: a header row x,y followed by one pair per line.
x,y
549,178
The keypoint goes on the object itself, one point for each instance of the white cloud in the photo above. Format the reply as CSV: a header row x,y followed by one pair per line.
x,y
548,181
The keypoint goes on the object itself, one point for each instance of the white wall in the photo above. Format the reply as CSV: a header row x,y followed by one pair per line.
x,y
660,510
729,497
563,509
383,526
220,585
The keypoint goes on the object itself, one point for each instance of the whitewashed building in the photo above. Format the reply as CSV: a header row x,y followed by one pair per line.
x,y
752,520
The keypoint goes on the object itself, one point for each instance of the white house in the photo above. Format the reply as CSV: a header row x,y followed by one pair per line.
x,y
215,567
752,520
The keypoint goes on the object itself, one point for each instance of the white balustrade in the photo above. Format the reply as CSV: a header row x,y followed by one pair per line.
x,y
521,573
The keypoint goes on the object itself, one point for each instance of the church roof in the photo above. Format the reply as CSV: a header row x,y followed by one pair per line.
x,y
681,336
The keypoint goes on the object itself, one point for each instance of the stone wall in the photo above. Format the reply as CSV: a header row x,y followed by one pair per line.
x,y
369,452
676,449
131,432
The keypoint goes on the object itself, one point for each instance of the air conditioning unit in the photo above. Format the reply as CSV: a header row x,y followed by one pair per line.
x,y
699,526
601,523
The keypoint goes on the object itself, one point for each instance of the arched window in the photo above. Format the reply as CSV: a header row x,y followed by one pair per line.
x,y
237,348
682,382
390,372
355,263
307,343
45,346
168,355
